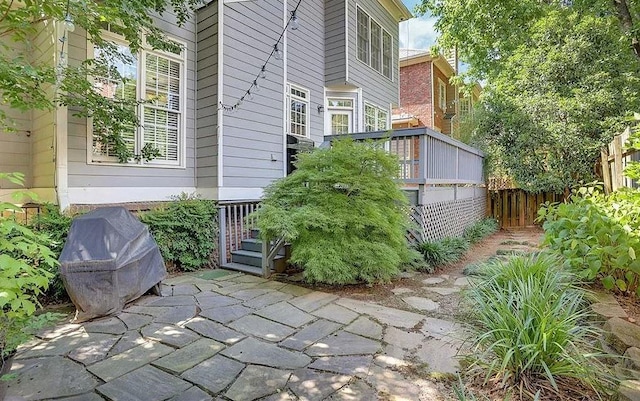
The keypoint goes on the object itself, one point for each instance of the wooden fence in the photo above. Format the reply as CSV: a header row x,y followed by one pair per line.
x,y
516,207
614,159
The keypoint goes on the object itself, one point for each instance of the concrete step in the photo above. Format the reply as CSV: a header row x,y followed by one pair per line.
x,y
256,271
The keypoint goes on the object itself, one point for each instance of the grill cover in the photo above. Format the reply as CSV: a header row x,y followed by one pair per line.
x,y
109,259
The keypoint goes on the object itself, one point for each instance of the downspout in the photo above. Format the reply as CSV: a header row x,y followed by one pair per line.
x,y
220,111
285,106
60,127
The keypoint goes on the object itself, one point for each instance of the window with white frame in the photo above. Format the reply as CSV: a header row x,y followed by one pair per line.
x,y
375,46
363,36
340,113
299,110
465,105
387,52
156,79
375,118
442,95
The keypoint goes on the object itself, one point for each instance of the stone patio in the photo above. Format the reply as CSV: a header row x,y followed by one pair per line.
x,y
239,337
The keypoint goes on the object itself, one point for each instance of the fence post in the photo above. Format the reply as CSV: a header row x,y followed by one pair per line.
x,y
222,236
617,163
606,170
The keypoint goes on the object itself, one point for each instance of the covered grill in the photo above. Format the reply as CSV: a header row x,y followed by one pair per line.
x,y
109,259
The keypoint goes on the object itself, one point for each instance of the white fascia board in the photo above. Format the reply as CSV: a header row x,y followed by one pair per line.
x,y
106,195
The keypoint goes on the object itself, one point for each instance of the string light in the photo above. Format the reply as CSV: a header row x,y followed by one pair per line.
x,y
276,53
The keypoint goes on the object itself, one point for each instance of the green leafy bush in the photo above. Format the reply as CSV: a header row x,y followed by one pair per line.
x,y
450,249
343,213
598,236
529,329
185,230
476,232
25,265
443,252
55,225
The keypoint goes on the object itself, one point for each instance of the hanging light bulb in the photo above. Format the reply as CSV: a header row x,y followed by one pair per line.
x,y
263,72
294,21
68,23
255,85
276,52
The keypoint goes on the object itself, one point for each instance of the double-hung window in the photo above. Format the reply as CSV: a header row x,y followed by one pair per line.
x,y
156,79
340,116
442,95
375,118
298,99
375,44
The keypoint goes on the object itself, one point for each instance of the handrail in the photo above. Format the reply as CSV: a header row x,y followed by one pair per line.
x,y
405,132
269,253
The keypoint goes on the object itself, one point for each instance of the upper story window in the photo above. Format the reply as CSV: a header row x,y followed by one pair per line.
x,y
299,110
465,105
157,80
375,118
442,95
375,46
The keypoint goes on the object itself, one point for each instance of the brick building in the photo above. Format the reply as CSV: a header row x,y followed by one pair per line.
x,y
427,99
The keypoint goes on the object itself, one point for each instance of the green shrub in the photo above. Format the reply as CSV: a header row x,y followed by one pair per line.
x,y
343,213
443,252
55,225
529,326
483,228
25,262
185,230
598,236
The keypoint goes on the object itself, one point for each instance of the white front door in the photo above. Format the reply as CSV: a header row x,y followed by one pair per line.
x,y
341,121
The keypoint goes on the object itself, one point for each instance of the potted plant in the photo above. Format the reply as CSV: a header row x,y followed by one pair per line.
x,y
26,263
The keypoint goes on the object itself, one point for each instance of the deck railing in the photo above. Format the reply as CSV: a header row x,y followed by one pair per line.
x,y
234,226
428,157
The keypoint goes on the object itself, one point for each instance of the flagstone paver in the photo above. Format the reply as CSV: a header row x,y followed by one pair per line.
x,y
444,290
336,313
262,328
146,383
214,330
357,365
386,315
344,343
185,358
420,303
169,334
366,327
433,280
49,377
313,385
285,313
127,361
253,351
312,301
238,337
214,374
257,381
226,314
310,334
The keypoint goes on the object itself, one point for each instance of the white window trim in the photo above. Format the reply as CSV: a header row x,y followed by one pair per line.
x,y
442,95
331,109
382,32
377,109
182,135
291,86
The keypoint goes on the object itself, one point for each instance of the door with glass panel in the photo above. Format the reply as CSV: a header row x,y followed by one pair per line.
x,y
340,116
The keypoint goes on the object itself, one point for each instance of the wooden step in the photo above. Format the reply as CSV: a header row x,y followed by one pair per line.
x,y
239,267
255,245
255,259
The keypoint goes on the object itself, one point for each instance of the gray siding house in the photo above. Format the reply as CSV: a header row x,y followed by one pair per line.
x,y
338,74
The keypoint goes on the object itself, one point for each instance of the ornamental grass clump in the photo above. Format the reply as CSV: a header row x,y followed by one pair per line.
x,y
530,329
343,212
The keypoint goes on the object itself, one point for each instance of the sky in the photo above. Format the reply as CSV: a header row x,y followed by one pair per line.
x,y
417,33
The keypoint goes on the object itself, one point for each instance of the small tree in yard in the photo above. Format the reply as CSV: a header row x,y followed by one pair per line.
x,y
343,213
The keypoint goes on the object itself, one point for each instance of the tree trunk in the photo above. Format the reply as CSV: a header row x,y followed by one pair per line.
x,y
626,21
